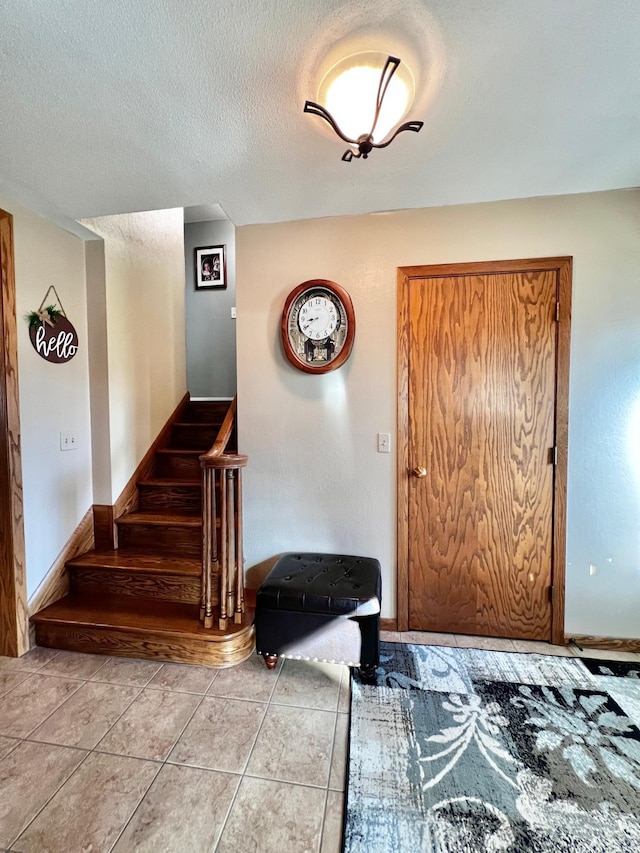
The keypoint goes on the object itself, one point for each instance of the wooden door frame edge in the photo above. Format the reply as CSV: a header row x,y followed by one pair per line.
x,y
14,617
563,268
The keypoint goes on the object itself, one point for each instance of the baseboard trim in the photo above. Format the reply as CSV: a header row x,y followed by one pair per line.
x,y
55,584
618,644
389,624
103,527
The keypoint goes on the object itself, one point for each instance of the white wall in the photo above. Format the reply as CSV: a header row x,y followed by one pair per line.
x,y
53,397
209,330
144,315
315,480
94,252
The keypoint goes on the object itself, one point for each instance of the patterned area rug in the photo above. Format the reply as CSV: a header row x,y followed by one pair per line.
x,y
465,751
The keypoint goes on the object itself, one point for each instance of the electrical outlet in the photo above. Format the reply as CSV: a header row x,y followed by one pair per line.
x,y
384,442
68,441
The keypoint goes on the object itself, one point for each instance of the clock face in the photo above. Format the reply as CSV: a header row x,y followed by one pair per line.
x,y
318,318
318,326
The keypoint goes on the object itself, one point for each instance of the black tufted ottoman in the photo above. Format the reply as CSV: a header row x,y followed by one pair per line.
x,y
320,607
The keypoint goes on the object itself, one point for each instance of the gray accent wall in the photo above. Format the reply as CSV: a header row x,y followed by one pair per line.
x,y
210,332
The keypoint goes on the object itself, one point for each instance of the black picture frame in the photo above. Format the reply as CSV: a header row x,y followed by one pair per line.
x,y
210,267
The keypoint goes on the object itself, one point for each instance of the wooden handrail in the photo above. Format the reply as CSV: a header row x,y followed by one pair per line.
x,y
222,552
224,434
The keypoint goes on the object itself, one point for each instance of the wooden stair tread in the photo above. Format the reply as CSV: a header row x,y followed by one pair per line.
x,y
181,451
161,519
198,424
219,407
130,559
169,482
137,615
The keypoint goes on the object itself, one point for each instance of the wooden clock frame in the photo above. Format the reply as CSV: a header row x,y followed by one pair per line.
x,y
339,293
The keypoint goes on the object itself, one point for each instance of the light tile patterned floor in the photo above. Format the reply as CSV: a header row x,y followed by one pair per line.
x,y
109,754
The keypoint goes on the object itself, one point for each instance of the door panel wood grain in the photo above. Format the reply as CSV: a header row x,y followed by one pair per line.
x,y
14,620
481,410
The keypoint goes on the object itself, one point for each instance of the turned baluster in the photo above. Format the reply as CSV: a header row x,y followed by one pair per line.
x,y
224,557
237,616
231,542
209,545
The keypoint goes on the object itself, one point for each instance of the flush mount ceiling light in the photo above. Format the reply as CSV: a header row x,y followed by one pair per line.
x,y
348,90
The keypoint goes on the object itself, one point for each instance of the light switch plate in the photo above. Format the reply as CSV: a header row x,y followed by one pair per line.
x,y
68,441
384,442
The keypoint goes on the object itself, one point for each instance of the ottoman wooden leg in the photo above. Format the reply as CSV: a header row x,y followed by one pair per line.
x,y
271,661
368,673
370,634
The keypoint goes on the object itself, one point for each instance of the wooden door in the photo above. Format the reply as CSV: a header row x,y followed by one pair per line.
x,y
14,621
482,359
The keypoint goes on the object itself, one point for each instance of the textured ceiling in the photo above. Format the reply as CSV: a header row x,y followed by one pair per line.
x,y
110,107
204,213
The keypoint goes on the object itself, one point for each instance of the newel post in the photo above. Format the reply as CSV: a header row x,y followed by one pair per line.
x,y
226,554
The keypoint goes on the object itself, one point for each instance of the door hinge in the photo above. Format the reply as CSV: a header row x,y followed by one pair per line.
x,y
553,455
557,312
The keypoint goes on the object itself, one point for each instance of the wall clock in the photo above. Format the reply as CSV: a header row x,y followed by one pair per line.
x,y
318,326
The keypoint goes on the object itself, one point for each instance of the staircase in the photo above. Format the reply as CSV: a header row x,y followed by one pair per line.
x,y
144,598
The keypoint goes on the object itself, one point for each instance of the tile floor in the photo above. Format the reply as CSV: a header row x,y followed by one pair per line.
x,y
108,754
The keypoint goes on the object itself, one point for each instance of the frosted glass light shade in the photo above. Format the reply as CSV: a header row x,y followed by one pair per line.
x,y
350,88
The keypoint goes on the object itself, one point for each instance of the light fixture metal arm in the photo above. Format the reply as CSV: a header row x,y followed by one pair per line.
x,y
390,68
416,126
364,144
318,110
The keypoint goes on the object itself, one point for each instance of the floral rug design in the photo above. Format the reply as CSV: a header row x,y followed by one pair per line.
x,y
466,751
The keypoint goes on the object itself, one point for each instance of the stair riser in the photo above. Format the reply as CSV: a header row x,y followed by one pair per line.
x,y
157,539
195,437
178,466
137,585
175,498
204,413
232,446
146,645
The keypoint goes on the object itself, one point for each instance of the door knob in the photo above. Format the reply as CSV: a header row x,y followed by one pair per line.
x,y
419,472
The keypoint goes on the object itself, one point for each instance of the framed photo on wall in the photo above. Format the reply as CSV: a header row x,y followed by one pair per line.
x,y
210,267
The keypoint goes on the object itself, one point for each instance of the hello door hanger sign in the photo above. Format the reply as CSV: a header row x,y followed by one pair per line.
x,y
52,334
